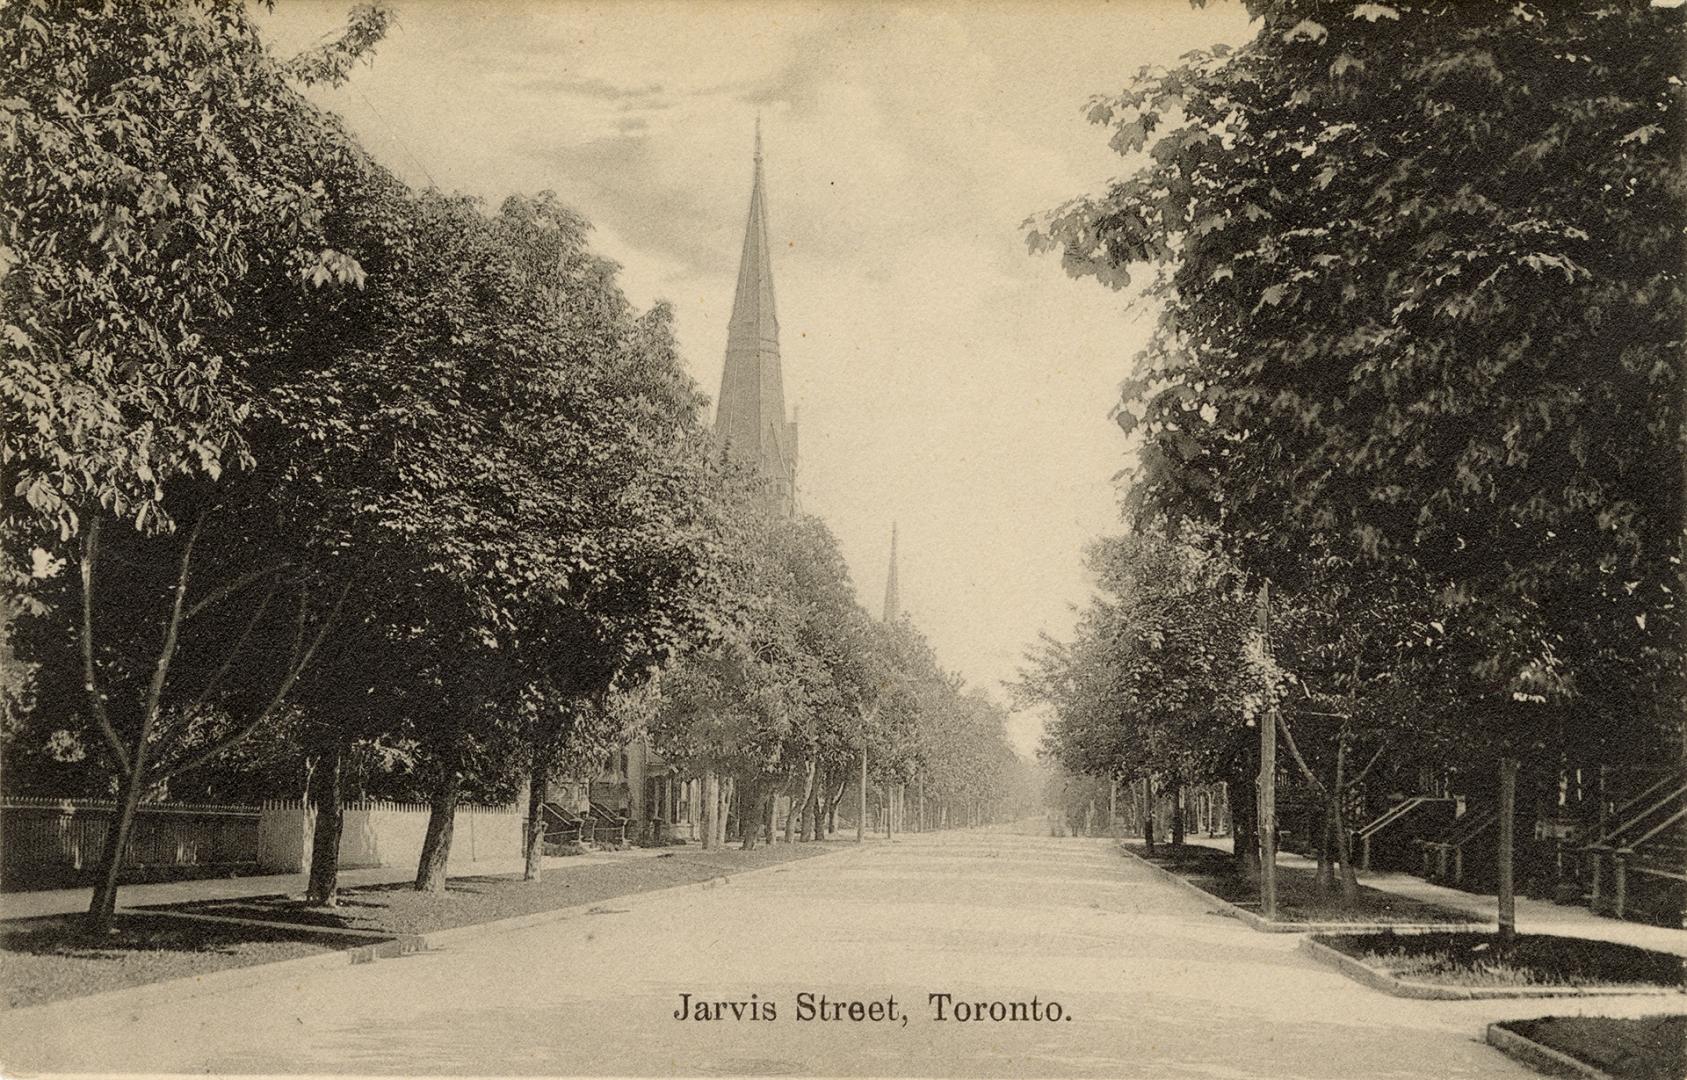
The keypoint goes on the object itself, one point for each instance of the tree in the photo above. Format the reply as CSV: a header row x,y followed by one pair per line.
x,y
1371,351
1156,684
147,221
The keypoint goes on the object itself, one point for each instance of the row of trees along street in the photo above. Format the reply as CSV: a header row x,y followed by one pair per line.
x,y
1408,445
315,480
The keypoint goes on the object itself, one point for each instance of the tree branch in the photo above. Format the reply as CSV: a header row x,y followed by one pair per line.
x,y
1376,757
1312,777
172,633
90,551
217,596
275,701
298,629
239,643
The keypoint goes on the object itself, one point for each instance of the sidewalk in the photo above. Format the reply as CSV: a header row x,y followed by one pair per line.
x,y
1533,916
27,905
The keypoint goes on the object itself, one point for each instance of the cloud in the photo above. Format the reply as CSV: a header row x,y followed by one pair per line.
x,y
620,182
591,87
946,379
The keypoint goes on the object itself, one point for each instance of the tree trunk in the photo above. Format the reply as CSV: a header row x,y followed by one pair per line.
x,y
1507,842
104,906
1325,878
811,805
442,814
832,806
750,816
795,827
793,813
1177,813
728,810
1148,813
1344,837
723,808
536,790
773,812
1244,826
324,884
707,808
861,821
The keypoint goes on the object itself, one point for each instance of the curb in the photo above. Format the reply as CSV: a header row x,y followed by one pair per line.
x,y
1540,1057
1258,922
216,982
1383,980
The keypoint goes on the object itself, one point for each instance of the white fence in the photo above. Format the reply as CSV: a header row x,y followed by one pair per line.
x,y
50,842
56,842
384,834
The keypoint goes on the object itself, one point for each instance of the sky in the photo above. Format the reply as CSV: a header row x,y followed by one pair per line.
x,y
946,380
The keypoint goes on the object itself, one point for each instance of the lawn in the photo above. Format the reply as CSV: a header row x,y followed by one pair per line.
x,y
50,958
399,909
1299,900
1477,959
1646,1048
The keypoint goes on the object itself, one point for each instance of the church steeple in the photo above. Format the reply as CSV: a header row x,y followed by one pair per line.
x,y
750,415
893,602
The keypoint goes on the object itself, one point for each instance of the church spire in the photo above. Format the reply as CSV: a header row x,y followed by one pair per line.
x,y
750,414
893,602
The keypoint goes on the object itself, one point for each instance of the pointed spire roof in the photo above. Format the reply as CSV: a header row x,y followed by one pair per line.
x,y
753,310
750,413
893,602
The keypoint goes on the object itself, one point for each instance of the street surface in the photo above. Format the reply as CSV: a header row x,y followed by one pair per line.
x,y
1150,985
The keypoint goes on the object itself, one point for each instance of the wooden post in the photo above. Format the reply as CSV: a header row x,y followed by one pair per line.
x,y
1267,776
1507,825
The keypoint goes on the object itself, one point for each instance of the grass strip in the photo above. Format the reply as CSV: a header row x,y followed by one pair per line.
x,y
1477,959
1299,899
467,901
1638,1048
53,957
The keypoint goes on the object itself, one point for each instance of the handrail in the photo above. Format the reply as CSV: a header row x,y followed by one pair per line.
x,y
1392,814
1606,841
1398,811
1466,829
1658,784
1658,828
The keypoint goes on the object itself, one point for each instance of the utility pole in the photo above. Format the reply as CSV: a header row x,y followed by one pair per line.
x,y
861,818
1267,773
1507,846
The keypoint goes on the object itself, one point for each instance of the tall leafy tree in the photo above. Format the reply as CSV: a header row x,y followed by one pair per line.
x,y
163,184
1419,269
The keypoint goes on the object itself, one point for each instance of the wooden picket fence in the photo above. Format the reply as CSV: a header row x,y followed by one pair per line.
x,y
382,805
48,842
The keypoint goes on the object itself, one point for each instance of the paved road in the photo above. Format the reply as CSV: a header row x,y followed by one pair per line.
x,y
1150,985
